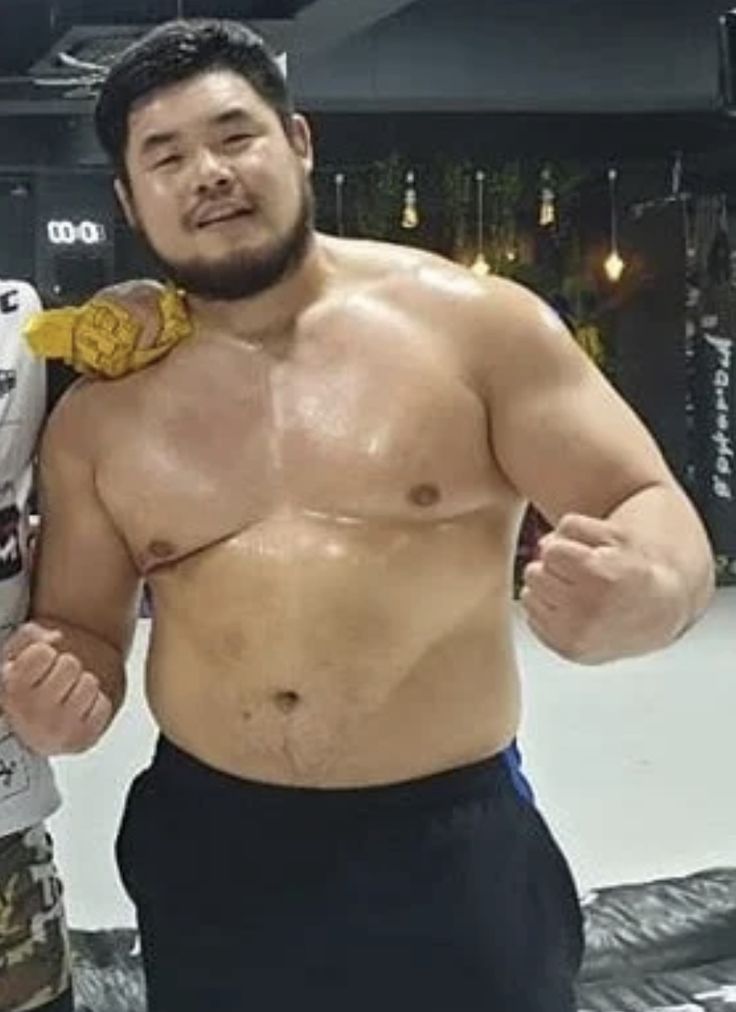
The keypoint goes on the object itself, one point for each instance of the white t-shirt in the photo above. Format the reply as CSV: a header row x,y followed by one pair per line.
x,y
27,790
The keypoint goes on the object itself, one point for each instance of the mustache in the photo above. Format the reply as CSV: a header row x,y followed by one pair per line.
x,y
209,210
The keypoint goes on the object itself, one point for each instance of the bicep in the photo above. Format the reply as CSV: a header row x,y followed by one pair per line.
x,y
565,439
84,573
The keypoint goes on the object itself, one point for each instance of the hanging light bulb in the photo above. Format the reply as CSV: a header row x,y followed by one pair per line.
x,y
410,214
480,265
614,265
340,203
547,207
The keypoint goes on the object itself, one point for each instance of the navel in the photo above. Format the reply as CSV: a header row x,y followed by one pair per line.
x,y
161,549
286,701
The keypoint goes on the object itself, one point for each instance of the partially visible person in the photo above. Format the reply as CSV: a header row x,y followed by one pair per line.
x,y
34,964
142,321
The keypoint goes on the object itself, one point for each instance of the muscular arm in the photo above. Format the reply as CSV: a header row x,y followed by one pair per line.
x,y
85,583
569,443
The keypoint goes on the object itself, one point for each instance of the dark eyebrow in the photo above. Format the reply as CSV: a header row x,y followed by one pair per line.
x,y
231,116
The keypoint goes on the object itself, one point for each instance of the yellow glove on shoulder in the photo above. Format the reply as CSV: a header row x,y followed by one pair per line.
x,y
108,336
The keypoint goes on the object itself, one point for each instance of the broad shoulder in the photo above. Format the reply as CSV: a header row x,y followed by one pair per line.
x,y
441,283
481,317
389,267
76,425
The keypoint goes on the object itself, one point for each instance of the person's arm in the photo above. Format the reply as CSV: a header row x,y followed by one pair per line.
x,y
64,673
121,329
628,566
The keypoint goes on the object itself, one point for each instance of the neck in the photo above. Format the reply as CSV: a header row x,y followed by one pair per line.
x,y
257,317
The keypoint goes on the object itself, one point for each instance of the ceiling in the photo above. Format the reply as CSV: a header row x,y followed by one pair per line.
x,y
29,29
353,54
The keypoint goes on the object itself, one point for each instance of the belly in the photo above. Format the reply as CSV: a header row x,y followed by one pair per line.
x,y
307,649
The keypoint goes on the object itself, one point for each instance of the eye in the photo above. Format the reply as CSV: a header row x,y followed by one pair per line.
x,y
235,140
169,161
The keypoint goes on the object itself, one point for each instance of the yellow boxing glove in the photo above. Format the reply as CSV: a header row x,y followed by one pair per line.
x,y
120,330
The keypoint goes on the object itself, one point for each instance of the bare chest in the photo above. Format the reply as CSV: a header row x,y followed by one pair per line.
x,y
219,445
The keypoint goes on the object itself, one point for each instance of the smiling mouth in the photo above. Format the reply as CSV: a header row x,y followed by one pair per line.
x,y
223,218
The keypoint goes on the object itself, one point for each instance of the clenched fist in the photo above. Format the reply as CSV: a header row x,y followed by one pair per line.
x,y
593,595
52,704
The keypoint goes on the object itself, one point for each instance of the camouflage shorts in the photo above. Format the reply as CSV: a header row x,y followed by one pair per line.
x,y
34,962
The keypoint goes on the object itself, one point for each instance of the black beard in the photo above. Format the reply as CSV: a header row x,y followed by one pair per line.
x,y
245,274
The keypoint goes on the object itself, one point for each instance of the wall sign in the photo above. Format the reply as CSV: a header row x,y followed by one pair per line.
x,y
65,232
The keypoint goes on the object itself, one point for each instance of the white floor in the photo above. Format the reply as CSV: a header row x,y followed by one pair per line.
x,y
634,765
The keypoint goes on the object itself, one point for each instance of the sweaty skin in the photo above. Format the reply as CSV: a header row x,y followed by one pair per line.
x,y
324,522
323,487
326,537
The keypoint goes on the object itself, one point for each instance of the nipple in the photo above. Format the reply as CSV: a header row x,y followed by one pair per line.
x,y
424,495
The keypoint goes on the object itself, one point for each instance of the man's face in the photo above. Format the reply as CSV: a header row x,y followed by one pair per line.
x,y
217,189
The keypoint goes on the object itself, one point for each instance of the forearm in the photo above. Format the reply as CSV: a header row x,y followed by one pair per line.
x,y
100,658
661,521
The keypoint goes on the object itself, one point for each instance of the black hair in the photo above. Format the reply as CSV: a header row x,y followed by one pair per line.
x,y
175,52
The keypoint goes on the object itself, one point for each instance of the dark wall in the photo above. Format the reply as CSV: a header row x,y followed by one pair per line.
x,y
651,367
525,55
17,228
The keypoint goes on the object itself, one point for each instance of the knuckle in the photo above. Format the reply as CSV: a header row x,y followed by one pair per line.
x,y
567,523
18,685
39,654
546,545
85,700
69,664
556,550
103,713
532,575
88,683
104,710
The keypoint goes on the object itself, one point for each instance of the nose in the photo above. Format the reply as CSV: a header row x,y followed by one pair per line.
x,y
212,174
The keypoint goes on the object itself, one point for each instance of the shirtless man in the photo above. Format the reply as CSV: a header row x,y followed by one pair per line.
x,y
323,488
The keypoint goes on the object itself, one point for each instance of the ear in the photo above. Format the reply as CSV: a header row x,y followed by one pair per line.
x,y
301,141
126,202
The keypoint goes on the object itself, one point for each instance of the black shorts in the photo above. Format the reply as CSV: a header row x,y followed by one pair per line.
x,y
442,893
